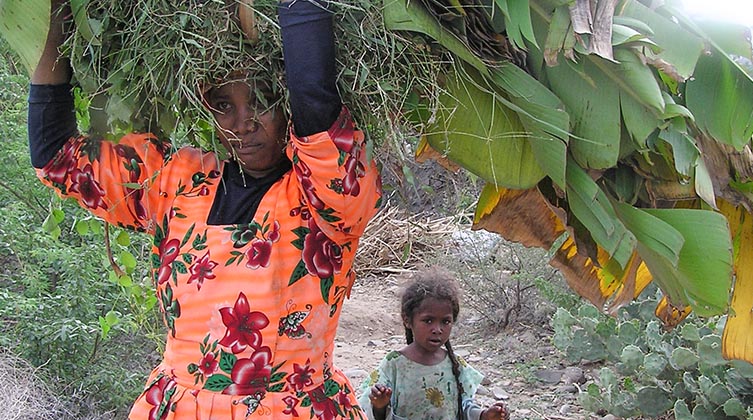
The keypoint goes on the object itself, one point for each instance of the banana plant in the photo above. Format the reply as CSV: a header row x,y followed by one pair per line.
x,y
614,133
622,143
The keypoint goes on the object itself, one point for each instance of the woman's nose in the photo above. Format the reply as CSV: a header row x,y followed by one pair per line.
x,y
245,121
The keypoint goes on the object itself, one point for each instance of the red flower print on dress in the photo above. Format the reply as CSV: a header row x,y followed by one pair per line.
x,y
304,174
290,403
258,254
251,376
301,376
342,132
354,169
344,401
243,326
208,364
324,408
202,270
58,168
168,252
322,256
83,182
157,394
261,249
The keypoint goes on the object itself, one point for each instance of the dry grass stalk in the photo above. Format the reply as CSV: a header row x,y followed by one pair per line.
x,y
397,242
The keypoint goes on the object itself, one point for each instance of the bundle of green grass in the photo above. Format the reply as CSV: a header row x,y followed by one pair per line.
x,y
141,65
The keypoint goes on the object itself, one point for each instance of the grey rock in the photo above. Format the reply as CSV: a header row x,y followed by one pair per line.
x,y
550,376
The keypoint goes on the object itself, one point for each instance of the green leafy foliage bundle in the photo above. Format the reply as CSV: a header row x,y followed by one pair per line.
x,y
144,64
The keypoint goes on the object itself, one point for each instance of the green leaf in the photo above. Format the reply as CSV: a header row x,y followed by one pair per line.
x,y
112,318
24,24
89,29
653,401
325,285
632,357
104,327
654,364
592,101
652,232
680,48
123,239
720,95
683,358
594,210
217,383
128,260
405,15
82,227
298,273
227,361
541,113
476,131
734,408
518,22
703,275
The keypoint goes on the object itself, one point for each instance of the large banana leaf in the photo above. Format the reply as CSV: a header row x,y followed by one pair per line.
x,y
24,24
475,130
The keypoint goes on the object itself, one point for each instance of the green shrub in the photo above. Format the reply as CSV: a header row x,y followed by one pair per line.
x,y
90,335
648,371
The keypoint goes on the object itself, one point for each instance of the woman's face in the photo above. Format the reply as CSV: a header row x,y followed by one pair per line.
x,y
253,135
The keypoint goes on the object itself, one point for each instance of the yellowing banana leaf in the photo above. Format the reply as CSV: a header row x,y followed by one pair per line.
x,y
703,274
424,152
594,210
603,283
522,216
476,131
670,314
737,340
24,24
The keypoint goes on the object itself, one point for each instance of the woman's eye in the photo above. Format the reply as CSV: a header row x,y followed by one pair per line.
x,y
221,106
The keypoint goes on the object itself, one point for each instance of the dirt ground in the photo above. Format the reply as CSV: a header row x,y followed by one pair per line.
x,y
520,365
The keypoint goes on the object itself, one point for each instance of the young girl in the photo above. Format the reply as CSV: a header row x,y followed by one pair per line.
x,y
426,380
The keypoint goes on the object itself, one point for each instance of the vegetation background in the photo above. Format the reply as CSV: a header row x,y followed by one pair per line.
x,y
78,340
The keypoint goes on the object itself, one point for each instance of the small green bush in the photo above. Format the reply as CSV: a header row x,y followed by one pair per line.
x,y
648,371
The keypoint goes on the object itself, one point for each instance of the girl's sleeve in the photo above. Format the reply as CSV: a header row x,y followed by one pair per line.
x,y
470,378
112,181
385,374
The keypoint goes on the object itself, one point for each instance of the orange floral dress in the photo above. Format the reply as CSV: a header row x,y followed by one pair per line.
x,y
251,309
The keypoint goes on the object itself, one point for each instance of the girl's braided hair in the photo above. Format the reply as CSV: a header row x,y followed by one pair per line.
x,y
438,283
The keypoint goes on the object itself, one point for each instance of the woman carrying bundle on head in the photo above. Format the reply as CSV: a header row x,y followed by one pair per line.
x,y
253,253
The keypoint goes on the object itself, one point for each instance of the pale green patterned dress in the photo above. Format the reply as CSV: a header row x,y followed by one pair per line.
x,y
421,392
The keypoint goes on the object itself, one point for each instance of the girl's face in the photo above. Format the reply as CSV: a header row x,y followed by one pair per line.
x,y
253,136
431,324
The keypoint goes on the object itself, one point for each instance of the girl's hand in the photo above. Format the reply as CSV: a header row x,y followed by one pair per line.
x,y
380,396
496,412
